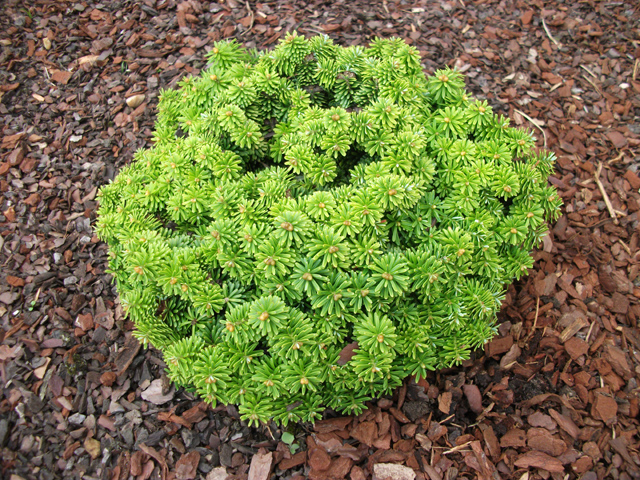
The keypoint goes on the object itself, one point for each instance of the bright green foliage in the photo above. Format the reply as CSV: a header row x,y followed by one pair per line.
x,y
313,197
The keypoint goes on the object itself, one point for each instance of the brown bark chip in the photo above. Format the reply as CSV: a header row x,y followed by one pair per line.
x,y
604,408
633,179
187,466
260,468
513,438
319,459
444,402
391,471
474,397
539,419
576,347
365,432
295,461
565,423
537,459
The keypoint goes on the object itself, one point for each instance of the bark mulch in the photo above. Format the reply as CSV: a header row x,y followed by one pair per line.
x,y
554,396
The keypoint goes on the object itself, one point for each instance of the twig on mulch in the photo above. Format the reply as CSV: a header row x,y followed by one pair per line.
x,y
605,196
544,25
535,124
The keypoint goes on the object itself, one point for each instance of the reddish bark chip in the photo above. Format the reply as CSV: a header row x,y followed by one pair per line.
x,y
539,419
526,17
187,466
15,281
513,438
498,346
357,474
127,354
347,353
295,461
491,440
618,361
576,347
444,402
540,439
260,468
582,465
107,378
62,77
633,179
339,468
195,413
474,397
319,459
384,471
537,459
137,459
33,199
332,424
592,449
85,322
399,416
565,423
107,422
604,408
620,303
618,140
365,432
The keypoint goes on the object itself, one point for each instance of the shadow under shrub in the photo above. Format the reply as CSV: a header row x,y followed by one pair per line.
x,y
316,223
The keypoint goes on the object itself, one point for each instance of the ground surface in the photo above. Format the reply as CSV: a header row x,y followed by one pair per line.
x,y
556,395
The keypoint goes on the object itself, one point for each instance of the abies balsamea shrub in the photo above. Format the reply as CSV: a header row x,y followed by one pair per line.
x,y
315,200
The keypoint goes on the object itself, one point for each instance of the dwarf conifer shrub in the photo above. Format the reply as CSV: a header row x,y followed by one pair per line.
x,y
316,223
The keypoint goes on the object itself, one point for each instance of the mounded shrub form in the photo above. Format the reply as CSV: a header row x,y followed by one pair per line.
x,y
316,223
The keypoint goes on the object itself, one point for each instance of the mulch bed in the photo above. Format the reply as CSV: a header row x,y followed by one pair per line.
x,y
554,396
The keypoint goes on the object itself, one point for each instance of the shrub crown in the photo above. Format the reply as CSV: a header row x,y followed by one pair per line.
x,y
316,223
